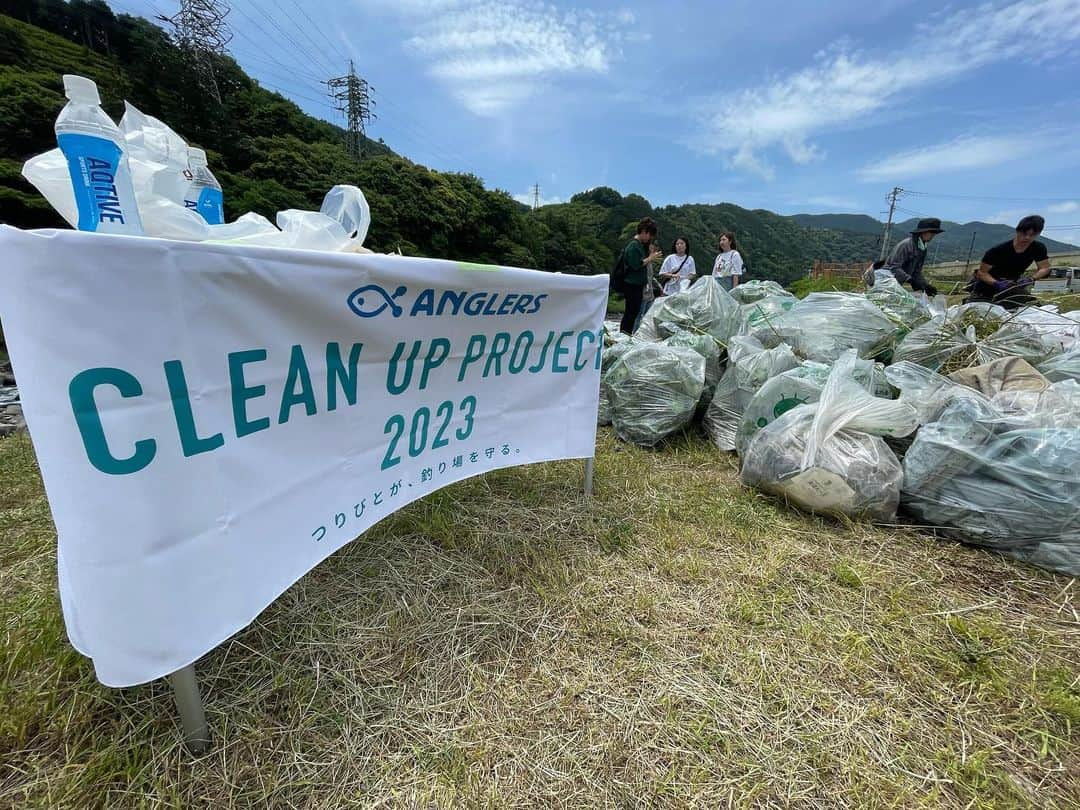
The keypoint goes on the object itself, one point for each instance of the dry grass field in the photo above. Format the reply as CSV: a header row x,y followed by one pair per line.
x,y
678,641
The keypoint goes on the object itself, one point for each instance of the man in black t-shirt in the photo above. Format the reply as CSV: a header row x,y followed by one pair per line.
x,y
1000,275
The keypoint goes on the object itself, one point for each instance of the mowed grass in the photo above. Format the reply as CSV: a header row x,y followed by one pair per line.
x,y
678,641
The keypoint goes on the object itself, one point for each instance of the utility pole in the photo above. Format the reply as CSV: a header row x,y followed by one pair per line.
x,y
536,197
351,97
971,248
201,32
893,195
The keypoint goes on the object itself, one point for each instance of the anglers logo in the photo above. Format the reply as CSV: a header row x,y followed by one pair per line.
x,y
371,300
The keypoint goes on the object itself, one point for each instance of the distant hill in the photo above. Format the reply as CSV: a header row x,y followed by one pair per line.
x,y
953,244
853,223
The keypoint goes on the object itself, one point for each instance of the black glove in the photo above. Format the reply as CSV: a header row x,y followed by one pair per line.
x,y
930,290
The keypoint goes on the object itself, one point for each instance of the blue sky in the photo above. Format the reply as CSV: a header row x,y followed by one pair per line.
x,y
793,107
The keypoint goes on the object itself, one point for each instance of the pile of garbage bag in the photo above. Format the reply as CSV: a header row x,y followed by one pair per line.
x,y
964,418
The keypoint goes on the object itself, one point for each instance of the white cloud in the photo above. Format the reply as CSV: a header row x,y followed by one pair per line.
x,y
1063,208
495,55
959,154
844,86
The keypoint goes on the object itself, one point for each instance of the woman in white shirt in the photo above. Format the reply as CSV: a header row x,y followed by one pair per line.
x,y
678,271
728,267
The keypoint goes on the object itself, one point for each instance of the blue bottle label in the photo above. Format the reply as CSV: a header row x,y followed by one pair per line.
x,y
212,206
102,184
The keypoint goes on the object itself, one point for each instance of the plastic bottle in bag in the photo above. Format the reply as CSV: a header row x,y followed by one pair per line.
x,y
93,147
204,192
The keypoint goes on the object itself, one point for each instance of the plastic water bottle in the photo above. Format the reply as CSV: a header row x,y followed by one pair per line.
x,y
93,147
204,193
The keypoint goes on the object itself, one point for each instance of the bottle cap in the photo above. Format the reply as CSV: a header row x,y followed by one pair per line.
x,y
196,155
81,88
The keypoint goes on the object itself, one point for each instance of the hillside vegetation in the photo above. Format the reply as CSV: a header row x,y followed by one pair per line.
x,y
269,155
948,246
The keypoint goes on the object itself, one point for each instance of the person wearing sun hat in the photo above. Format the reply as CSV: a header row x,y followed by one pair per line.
x,y
909,255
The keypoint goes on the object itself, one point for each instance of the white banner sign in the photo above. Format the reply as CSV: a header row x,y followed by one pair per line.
x,y
212,421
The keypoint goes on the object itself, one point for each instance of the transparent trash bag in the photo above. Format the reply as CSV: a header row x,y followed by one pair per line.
x,y
1003,475
705,308
800,386
759,316
750,291
349,207
898,305
749,366
48,173
1059,331
970,335
928,392
653,390
703,344
823,326
1064,366
619,346
160,216
829,457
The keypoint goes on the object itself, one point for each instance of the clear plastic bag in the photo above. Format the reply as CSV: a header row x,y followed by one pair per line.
x,y
823,326
758,317
349,207
1002,475
800,386
749,366
48,173
970,335
901,307
619,345
1059,332
751,291
828,457
705,308
653,390
1065,366
928,392
706,346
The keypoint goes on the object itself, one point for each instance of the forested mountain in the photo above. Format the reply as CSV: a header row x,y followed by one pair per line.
x,y
269,155
953,244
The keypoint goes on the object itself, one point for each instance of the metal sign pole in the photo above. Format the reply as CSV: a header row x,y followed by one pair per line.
x,y
589,476
189,703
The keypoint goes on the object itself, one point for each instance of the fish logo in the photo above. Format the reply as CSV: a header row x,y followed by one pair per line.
x,y
372,300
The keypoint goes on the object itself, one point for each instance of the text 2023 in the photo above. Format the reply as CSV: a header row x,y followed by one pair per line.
x,y
420,429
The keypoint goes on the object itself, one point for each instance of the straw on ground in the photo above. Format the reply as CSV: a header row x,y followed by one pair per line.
x,y
678,641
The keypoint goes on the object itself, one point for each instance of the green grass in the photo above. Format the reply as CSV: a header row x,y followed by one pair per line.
x,y
804,286
678,641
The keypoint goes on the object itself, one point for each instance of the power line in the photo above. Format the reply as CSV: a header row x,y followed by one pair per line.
x,y
344,56
303,30
992,199
290,43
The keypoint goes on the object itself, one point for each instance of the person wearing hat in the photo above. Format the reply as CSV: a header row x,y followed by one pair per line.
x,y
1000,277
909,255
